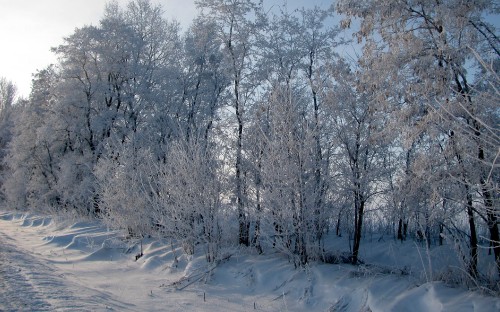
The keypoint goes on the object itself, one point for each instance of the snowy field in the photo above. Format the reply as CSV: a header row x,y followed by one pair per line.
x,y
63,265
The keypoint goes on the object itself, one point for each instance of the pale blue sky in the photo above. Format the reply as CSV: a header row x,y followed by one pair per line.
x,y
29,28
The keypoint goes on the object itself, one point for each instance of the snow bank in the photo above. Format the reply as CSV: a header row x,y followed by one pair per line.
x,y
164,278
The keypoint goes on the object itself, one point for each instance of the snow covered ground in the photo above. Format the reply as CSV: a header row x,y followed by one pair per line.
x,y
48,265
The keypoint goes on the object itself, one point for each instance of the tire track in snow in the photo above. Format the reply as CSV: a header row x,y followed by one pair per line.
x,y
29,284
16,291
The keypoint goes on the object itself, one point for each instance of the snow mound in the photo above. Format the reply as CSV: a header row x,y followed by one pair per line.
x,y
165,278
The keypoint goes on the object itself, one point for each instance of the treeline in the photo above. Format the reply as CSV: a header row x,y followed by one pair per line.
x,y
252,127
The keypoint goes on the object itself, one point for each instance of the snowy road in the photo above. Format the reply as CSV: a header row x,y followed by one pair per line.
x,y
18,288
28,283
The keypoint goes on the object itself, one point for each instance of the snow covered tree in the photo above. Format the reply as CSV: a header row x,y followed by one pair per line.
x,y
286,174
294,49
8,95
204,79
237,23
114,80
427,47
359,148
31,159
173,96
319,41
184,196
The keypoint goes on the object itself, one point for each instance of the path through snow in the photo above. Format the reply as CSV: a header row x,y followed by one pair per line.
x,y
29,283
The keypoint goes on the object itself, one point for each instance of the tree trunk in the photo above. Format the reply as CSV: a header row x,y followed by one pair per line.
x,y
473,237
491,210
358,220
400,229
256,237
492,225
337,230
242,219
318,158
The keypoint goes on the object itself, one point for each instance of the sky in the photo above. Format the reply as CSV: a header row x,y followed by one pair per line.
x,y
30,28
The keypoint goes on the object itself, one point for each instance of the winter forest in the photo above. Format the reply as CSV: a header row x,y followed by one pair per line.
x,y
264,128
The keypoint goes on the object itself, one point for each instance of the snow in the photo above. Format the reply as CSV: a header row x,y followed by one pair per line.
x,y
49,264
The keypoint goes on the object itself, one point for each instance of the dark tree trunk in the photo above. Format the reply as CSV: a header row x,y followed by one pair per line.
x,y
491,209
492,225
400,229
244,238
256,237
244,226
358,220
441,229
337,230
95,206
473,237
